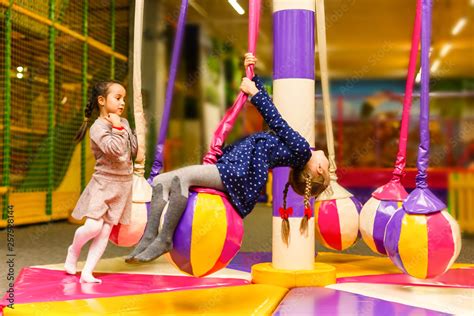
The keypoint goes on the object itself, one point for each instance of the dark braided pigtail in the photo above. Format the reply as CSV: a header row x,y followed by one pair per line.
x,y
284,213
307,206
87,115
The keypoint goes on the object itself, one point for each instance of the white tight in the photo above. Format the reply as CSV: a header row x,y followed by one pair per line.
x,y
96,229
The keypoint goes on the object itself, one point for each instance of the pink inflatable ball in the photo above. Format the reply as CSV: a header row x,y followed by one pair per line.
x,y
376,213
208,235
421,241
336,216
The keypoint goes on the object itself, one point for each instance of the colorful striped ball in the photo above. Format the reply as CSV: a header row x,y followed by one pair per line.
x,y
208,235
424,246
337,222
374,217
130,235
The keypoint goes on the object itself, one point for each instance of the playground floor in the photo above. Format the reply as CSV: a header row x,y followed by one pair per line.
x,y
366,284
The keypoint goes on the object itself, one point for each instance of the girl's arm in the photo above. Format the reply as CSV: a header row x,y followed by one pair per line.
x,y
260,86
295,142
133,138
112,143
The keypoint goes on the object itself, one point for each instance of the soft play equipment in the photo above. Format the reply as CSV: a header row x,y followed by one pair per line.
x,y
424,246
336,212
362,285
422,238
210,231
388,198
368,285
325,301
129,235
209,234
293,95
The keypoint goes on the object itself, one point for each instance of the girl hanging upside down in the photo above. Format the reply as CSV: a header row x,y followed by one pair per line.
x,y
241,172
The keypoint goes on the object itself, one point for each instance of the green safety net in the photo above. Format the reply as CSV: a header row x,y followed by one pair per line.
x,y
42,106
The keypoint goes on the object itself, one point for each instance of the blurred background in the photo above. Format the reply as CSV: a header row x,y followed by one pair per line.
x,y
368,48
52,51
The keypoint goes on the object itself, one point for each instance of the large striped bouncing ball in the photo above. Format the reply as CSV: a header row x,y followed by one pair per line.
x,y
376,213
374,217
208,235
337,220
424,246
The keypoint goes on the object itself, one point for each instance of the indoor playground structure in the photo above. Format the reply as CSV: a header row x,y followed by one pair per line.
x,y
409,216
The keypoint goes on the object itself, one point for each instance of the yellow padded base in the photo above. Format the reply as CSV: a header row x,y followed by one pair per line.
x,y
348,265
321,275
254,299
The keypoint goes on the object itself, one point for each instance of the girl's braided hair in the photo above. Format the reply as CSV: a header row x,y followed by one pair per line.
x,y
303,184
99,89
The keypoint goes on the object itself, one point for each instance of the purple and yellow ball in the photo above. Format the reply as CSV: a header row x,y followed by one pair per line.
x,y
374,217
208,235
424,246
337,222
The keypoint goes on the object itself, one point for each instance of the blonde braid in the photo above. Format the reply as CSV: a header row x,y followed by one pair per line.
x,y
285,224
307,194
285,193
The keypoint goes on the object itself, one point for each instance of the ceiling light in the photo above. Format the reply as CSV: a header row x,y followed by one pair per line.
x,y
445,49
236,6
435,65
19,75
459,26
19,69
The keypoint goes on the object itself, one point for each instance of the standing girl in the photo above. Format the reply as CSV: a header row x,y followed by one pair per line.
x,y
241,171
107,199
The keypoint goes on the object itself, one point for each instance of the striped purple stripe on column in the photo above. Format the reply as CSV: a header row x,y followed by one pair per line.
x,y
293,37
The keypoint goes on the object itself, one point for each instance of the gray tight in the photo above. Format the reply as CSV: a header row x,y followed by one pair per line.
x,y
197,175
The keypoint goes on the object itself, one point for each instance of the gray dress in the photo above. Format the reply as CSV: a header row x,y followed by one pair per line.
x,y
108,195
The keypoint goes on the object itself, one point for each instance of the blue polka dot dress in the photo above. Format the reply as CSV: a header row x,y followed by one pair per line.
x,y
244,166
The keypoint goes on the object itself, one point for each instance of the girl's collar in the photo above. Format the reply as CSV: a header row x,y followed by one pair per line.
x,y
104,121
